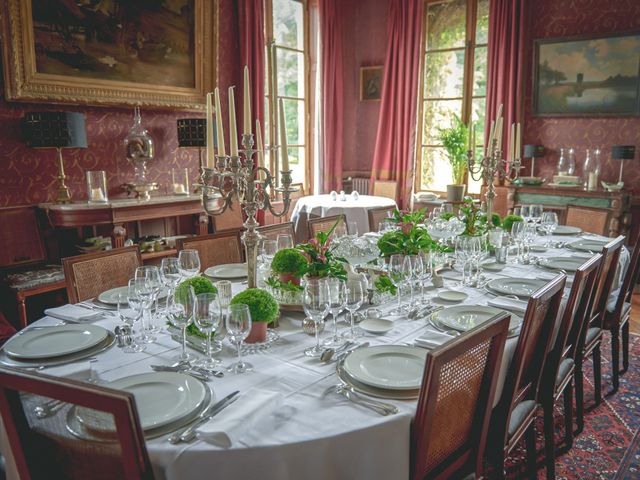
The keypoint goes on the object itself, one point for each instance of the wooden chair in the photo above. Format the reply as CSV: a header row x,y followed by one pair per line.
x,y
386,188
271,232
377,215
230,220
589,219
214,249
324,224
560,363
87,276
514,415
450,428
44,449
6,329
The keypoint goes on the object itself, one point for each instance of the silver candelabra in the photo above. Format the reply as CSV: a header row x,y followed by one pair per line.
x,y
236,177
486,169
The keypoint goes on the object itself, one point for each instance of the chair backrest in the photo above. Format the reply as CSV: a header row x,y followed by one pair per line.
x,y
385,188
89,275
22,243
450,428
44,448
230,219
605,279
589,219
299,194
214,249
271,232
630,279
377,215
324,224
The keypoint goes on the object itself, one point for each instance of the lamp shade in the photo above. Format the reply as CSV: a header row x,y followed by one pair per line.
x,y
54,129
623,152
533,151
192,132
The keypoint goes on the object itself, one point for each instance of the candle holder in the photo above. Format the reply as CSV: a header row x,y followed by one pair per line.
x,y
490,166
237,177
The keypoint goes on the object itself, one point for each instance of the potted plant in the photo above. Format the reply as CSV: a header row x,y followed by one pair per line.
x,y
264,310
507,222
409,239
321,261
454,141
290,265
200,285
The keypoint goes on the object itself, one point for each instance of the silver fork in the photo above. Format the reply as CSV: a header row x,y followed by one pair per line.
x,y
350,394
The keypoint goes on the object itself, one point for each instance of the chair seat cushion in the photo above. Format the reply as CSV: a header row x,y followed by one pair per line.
x,y
563,370
591,334
35,277
518,415
611,306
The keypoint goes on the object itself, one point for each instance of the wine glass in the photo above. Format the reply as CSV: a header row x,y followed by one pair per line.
x,y
152,277
549,224
525,212
535,213
517,232
284,240
189,261
462,257
416,269
337,301
224,299
238,324
145,292
170,275
315,301
529,236
355,294
207,319
427,272
131,315
397,275
181,311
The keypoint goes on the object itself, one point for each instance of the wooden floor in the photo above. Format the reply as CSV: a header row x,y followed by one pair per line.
x,y
634,323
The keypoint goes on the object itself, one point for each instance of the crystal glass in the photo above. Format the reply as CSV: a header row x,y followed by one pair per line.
x,y
397,275
153,279
567,161
238,324
224,299
462,256
427,273
353,228
189,261
130,316
535,213
337,302
97,186
416,270
207,319
529,236
146,295
517,233
549,224
285,240
495,237
356,291
525,212
170,275
181,311
315,301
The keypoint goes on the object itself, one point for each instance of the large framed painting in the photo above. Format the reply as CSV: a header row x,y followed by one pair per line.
x,y
159,53
587,76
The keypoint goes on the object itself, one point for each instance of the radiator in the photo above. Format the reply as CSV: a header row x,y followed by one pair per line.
x,y
361,185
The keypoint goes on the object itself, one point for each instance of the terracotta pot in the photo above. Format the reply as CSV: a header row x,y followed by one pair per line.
x,y
289,277
258,333
455,193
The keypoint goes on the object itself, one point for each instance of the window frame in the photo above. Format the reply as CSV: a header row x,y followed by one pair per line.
x,y
467,87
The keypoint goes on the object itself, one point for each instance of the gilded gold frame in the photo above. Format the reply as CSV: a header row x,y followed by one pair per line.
x,y
24,84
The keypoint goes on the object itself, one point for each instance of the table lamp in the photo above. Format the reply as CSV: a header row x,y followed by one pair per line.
x,y
533,152
622,153
55,130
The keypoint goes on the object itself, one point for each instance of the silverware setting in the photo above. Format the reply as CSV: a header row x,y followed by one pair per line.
x,y
197,372
352,395
48,408
328,353
339,357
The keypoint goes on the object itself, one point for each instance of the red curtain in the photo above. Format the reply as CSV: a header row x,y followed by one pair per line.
x,y
393,157
251,29
331,31
505,69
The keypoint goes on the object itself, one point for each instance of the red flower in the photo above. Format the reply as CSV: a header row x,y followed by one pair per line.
x,y
321,259
406,228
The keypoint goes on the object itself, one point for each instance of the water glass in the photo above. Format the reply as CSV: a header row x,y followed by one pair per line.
x,y
427,272
495,237
398,277
224,299
207,319
130,316
189,261
535,213
337,302
153,281
284,240
315,301
170,275
181,312
356,291
416,271
238,324
517,233
549,224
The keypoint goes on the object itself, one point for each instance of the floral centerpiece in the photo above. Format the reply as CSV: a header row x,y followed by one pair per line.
x,y
475,220
409,238
321,259
264,310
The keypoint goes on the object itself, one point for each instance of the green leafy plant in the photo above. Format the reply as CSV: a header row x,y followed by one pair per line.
x,y
289,260
262,305
278,284
409,239
507,222
475,220
199,284
320,257
384,284
454,141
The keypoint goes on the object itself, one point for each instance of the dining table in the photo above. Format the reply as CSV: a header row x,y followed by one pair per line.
x,y
306,430
354,207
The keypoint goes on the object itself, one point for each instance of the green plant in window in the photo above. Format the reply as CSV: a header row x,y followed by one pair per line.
x,y
454,140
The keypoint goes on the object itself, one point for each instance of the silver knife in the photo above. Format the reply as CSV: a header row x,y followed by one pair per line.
x,y
189,433
342,355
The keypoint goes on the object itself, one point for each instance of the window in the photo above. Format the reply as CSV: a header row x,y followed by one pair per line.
x,y
453,83
286,78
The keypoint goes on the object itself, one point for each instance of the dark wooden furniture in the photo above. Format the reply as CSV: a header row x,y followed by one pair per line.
x,y
271,232
324,224
214,249
91,274
6,329
230,219
450,428
589,219
385,188
514,416
43,449
377,215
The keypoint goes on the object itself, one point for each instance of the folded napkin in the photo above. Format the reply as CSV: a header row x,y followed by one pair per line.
x,y
432,339
241,416
508,303
72,313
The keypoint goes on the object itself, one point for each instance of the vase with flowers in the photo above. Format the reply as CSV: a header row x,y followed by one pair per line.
x,y
321,259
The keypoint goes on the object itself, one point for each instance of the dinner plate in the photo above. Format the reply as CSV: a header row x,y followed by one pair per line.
x,y
466,317
55,341
376,325
452,295
522,287
567,230
493,266
110,297
394,367
229,270
568,264
373,391
587,245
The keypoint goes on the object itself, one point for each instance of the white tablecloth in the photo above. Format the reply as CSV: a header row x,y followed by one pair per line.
x,y
324,206
313,436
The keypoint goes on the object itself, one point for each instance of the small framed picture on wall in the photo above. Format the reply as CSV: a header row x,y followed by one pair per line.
x,y
371,83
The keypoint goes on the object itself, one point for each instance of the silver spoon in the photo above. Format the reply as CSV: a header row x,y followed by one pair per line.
x,y
328,353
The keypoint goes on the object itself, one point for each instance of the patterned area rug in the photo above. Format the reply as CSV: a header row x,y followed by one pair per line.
x,y
609,446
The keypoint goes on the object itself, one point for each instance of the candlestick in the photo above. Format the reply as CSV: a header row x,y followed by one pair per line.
x,y
490,142
219,126
246,117
209,144
233,128
512,143
260,144
518,142
283,140
498,135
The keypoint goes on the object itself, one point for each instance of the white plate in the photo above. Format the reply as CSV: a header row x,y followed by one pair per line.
x,y
162,397
110,297
376,325
522,287
466,317
54,341
493,266
567,230
373,391
587,245
452,295
567,264
394,367
229,270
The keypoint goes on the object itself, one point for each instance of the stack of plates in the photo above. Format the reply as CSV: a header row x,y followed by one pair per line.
x,y
229,271
55,345
466,317
385,371
588,245
521,287
164,400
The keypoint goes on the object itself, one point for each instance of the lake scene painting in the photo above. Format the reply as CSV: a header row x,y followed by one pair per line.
x,y
596,76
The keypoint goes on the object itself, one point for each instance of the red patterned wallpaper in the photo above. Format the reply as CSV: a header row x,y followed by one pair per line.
x,y
28,176
564,18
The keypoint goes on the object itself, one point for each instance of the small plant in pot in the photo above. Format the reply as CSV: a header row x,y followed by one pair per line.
x,y
264,310
290,265
454,141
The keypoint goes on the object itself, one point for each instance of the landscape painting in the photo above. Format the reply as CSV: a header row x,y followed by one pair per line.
x,y
596,76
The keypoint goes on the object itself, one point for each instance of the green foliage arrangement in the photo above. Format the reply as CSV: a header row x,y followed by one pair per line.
x,y
321,260
507,222
278,284
454,140
475,220
409,239
384,284
447,215
289,260
262,305
199,284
